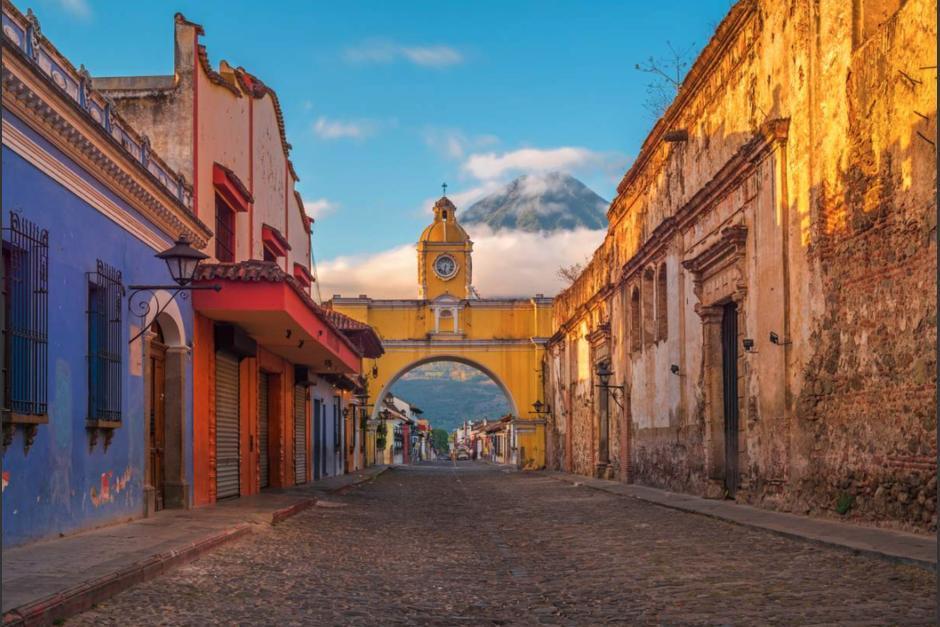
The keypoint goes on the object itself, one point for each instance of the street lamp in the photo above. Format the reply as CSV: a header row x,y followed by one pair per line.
x,y
182,260
541,408
603,372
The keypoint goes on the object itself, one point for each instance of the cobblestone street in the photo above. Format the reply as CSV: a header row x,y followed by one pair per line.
x,y
476,544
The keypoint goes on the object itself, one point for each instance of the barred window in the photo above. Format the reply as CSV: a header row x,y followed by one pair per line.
x,y
105,297
26,287
224,231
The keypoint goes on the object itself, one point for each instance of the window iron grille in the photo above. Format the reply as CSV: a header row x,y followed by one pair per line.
x,y
105,297
26,287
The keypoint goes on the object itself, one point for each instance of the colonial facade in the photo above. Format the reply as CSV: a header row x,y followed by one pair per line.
x,y
274,372
764,300
97,408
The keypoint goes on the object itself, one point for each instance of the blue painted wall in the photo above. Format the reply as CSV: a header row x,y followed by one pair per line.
x,y
56,487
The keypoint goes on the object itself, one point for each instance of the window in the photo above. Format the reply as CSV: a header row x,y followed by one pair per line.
x,y
26,259
662,322
635,324
105,346
399,438
224,231
647,303
268,255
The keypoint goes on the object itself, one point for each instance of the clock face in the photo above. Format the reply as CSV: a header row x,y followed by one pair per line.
x,y
445,266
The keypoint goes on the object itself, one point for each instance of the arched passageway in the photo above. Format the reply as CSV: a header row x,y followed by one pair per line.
x,y
402,371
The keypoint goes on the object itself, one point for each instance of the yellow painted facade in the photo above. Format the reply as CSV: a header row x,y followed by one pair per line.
x,y
504,338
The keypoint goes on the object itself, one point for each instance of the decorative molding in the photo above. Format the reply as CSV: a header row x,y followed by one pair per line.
x,y
22,39
21,144
718,270
67,134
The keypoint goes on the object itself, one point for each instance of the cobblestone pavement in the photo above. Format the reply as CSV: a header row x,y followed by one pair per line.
x,y
477,544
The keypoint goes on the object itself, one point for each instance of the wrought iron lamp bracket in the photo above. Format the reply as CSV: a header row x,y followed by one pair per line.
x,y
621,388
141,306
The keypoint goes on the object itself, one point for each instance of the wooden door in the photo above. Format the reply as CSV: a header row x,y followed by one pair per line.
x,y
157,439
729,371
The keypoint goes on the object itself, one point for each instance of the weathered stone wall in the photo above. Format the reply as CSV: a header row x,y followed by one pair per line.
x,y
803,196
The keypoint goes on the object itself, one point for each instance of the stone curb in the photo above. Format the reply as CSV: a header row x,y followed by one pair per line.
x,y
281,515
930,566
79,598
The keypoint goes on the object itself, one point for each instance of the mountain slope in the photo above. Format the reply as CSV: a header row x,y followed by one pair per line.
x,y
553,201
449,393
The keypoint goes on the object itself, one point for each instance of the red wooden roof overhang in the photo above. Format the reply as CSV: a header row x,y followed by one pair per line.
x,y
231,188
276,311
274,240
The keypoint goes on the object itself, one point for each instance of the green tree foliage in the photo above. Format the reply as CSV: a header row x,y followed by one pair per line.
x,y
439,439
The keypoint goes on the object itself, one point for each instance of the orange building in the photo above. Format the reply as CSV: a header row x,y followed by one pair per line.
x,y
262,340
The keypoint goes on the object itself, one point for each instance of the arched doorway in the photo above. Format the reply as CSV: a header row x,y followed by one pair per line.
x,y
166,359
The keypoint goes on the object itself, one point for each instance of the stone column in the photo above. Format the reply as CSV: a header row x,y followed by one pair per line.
x,y
714,400
176,488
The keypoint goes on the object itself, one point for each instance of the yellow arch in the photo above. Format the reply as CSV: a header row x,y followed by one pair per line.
x,y
504,338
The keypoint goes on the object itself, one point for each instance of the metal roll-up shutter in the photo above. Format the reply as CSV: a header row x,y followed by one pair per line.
x,y
300,434
263,413
226,426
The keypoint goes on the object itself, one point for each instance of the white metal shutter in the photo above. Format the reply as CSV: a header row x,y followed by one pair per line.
x,y
300,434
226,425
263,413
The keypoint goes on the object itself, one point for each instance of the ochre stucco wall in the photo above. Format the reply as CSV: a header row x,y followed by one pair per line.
x,y
804,194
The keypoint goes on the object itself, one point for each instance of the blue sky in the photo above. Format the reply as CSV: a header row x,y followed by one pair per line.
x,y
385,100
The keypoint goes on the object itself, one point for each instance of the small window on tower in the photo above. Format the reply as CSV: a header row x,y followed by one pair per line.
x,y
444,214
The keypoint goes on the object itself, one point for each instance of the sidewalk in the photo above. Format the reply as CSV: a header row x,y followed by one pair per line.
x,y
886,544
57,578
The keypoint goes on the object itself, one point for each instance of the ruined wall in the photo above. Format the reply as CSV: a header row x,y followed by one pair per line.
x,y
804,196
866,410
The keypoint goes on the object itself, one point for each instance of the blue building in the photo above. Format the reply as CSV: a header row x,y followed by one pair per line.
x,y
97,404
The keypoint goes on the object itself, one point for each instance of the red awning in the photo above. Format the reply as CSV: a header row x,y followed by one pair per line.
x,y
276,311
231,188
275,240
302,274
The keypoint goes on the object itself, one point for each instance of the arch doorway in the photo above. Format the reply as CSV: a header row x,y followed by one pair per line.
x,y
165,361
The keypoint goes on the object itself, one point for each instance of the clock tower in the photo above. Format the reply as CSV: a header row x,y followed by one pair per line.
x,y
444,266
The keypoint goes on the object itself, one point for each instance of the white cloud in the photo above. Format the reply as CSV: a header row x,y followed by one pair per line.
x,y
453,143
384,52
492,165
78,8
339,129
316,209
532,258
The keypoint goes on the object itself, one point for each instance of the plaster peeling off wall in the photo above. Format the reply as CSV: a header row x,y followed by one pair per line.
x,y
109,487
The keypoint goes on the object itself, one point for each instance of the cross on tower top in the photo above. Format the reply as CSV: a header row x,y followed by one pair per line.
x,y
444,187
